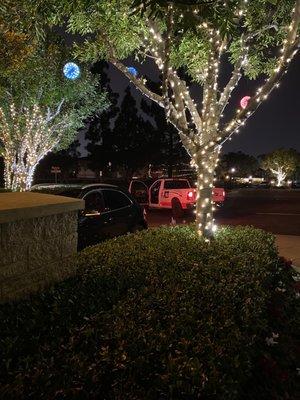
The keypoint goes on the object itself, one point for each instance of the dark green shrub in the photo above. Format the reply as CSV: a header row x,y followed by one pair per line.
x,y
155,315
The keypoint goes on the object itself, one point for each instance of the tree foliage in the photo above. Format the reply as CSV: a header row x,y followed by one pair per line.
x,y
40,110
39,80
258,38
281,163
243,164
113,25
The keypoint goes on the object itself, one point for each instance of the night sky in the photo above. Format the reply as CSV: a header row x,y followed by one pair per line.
x,y
275,124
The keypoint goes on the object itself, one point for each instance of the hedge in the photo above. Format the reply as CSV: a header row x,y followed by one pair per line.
x,y
158,315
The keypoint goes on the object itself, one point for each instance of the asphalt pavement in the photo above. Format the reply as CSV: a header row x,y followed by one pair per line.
x,y
274,210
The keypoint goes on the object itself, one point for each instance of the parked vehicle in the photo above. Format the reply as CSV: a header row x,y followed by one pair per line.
x,y
109,211
262,185
171,193
295,185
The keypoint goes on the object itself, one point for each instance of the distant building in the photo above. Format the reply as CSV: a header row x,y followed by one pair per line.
x,y
84,172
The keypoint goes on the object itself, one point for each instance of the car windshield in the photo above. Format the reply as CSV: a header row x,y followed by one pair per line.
x,y
63,191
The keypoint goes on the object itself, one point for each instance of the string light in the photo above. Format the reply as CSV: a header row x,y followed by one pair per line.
x,y
204,141
27,137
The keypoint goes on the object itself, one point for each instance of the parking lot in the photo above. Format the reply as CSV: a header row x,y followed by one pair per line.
x,y
275,210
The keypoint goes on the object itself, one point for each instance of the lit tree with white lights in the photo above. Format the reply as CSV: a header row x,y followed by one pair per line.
x,y
40,109
281,163
198,40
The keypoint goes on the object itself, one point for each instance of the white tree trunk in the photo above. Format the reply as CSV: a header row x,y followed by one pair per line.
x,y
8,174
205,166
280,177
18,177
30,175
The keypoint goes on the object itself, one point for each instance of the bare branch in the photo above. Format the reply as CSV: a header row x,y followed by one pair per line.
x,y
50,117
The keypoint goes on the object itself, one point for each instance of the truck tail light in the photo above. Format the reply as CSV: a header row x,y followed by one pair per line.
x,y
190,195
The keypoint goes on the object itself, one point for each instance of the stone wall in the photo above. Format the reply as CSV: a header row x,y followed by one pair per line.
x,y
36,252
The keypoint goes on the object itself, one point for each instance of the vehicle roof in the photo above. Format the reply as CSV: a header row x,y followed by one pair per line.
x,y
71,186
159,179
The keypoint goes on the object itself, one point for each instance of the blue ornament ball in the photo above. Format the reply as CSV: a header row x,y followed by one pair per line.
x,y
132,71
71,71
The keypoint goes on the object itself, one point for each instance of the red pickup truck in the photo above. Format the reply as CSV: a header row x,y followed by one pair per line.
x,y
170,193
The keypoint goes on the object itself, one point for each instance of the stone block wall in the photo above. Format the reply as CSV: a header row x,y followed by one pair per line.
x,y
36,251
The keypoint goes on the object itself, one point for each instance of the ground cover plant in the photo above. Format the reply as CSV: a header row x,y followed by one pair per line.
x,y
159,314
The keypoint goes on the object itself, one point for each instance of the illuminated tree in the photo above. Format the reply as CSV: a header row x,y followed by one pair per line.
x,y
258,38
281,163
41,110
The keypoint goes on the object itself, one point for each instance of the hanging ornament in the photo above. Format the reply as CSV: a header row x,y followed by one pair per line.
x,y
71,71
244,102
132,71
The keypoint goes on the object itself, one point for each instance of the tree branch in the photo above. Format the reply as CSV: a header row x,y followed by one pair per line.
x,y
288,52
189,101
235,77
210,111
143,53
236,74
181,95
50,117
265,28
166,60
122,68
137,82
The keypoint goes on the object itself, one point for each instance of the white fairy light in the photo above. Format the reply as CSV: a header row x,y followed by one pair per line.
x,y
204,142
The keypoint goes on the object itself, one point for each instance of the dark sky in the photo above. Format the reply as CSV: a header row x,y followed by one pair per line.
x,y
275,124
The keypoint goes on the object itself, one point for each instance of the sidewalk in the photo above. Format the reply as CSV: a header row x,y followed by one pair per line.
x,y
289,247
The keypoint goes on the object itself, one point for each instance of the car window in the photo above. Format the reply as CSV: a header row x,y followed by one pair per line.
x,y
94,202
114,199
156,186
137,186
176,184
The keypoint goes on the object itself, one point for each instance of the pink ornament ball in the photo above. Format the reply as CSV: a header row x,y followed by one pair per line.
x,y
244,102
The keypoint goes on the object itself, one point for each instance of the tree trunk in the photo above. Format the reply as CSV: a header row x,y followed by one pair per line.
x,y
18,177
8,174
205,159
171,155
280,177
205,165
30,175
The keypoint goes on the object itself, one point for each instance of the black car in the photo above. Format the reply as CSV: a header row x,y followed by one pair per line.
x,y
109,210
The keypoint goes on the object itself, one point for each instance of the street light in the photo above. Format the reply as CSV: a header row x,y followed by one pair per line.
x,y
232,170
